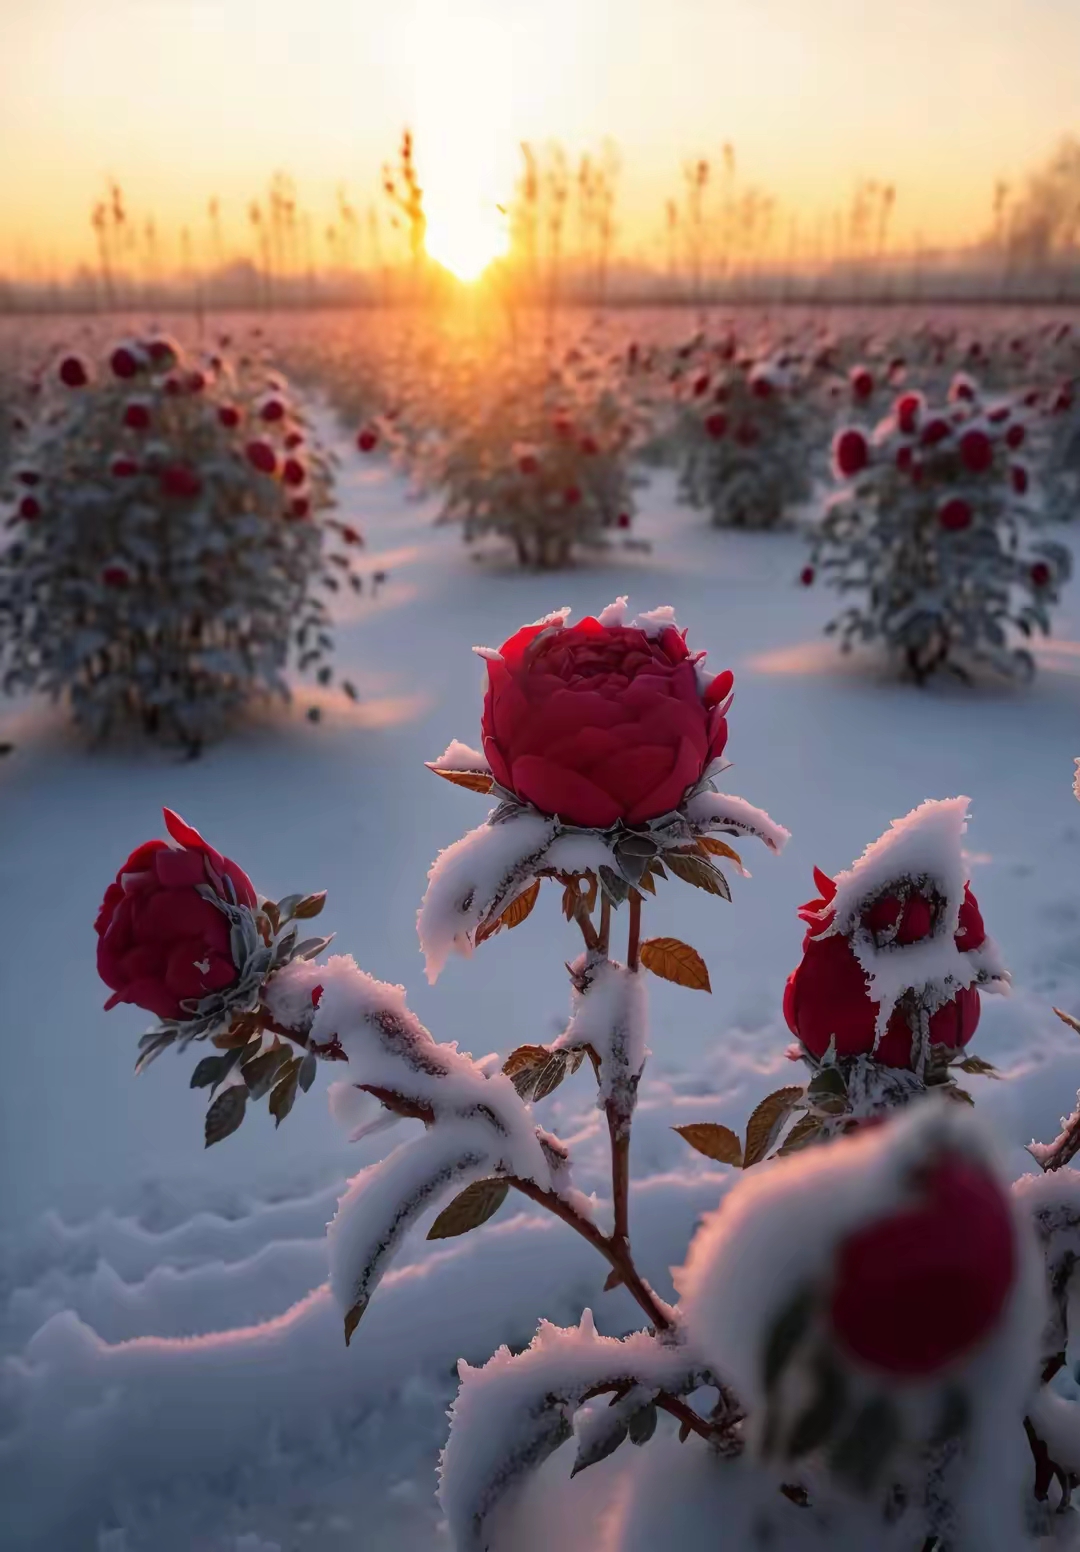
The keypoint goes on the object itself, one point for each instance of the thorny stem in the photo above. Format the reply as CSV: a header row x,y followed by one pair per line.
x,y
615,1252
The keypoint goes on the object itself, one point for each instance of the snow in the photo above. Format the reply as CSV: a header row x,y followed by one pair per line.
x,y
610,1014
172,1352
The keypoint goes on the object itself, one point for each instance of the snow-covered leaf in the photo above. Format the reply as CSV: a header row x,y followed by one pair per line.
x,y
474,1206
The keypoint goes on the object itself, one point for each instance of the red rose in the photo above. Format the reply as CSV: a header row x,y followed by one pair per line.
x,y
761,387
123,468
716,425
229,416
163,351
294,472
115,576
908,409
528,464
124,362
851,452
137,416
597,723
623,520
196,381
177,479
923,1287
828,994
1015,437
29,509
160,943
1041,574
976,451
701,387
935,431
299,507
261,456
73,373
294,440
955,515
273,410
962,388
862,382
367,441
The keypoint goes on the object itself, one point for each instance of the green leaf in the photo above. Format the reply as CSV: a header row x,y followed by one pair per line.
x,y
862,1453
785,1334
307,1070
472,1207
225,1114
212,1069
713,1140
817,1423
763,1127
259,1073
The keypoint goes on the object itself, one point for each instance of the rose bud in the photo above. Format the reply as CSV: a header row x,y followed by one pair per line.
x,y
179,480
73,373
909,407
701,386
137,416
294,440
921,1288
29,509
229,416
828,996
935,431
862,382
598,722
1015,437
623,520
367,441
272,409
124,362
716,425
293,472
160,942
976,451
261,456
851,452
195,382
806,576
955,515
163,351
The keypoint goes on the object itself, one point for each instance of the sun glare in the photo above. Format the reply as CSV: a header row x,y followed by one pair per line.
x,y
465,241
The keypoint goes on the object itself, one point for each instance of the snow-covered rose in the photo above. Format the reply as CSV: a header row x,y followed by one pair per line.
x,y
827,995
160,942
601,722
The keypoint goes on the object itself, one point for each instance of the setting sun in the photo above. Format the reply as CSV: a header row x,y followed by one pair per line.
x,y
465,241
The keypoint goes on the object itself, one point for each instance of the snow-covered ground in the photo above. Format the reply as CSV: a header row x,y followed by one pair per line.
x,y
174,1378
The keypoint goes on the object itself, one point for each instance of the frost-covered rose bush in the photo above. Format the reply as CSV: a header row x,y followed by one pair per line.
x,y
931,528
861,1354
169,549
529,450
740,439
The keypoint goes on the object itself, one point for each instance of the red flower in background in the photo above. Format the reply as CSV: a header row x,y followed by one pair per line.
x,y
160,943
261,456
124,362
955,515
976,451
599,723
181,481
137,416
851,452
73,373
924,1286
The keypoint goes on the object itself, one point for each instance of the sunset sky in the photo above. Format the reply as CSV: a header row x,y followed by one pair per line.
x,y
184,99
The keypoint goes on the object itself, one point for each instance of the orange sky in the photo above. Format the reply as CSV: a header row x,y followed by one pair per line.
x,y
181,99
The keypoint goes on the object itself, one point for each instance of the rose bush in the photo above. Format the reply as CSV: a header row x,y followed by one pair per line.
x,y
827,996
922,1287
599,722
160,942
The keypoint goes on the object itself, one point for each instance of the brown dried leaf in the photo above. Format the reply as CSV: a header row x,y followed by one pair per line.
x,y
525,1056
310,906
472,1207
353,1318
676,961
713,1140
719,848
515,913
225,1114
476,781
804,1131
697,871
764,1125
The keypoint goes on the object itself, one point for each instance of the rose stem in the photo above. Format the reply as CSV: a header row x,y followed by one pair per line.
x,y
634,940
605,925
